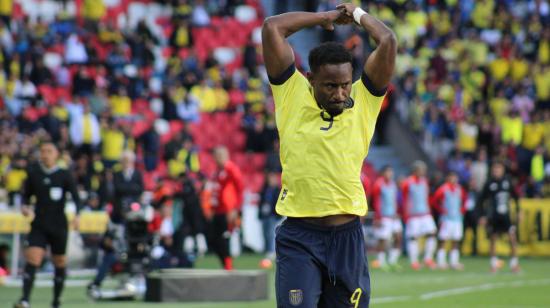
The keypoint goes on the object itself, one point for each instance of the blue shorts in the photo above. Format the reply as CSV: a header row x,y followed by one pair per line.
x,y
321,266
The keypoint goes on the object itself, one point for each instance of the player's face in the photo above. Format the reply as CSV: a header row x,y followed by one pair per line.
x,y
498,171
221,156
420,171
453,179
332,86
48,155
388,174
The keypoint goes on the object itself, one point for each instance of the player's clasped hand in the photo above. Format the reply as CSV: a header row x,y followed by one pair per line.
x,y
347,9
337,17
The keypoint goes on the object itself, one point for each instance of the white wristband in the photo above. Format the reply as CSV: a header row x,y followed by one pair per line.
x,y
357,13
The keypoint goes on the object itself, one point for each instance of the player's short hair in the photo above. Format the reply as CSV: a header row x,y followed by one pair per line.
x,y
418,164
48,142
452,173
385,168
328,53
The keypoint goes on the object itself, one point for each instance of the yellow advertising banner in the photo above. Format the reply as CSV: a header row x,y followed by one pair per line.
x,y
90,222
533,232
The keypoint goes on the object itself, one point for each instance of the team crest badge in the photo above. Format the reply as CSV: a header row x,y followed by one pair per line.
x,y
283,195
296,297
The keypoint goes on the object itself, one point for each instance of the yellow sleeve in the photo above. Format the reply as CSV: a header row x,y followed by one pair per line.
x,y
287,92
285,86
368,100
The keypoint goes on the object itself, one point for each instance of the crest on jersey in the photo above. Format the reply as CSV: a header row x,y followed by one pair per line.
x,y
283,195
295,297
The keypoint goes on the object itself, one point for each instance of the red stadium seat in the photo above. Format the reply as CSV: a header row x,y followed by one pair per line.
x,y
48,94
208,165
63,93
258,161
149,182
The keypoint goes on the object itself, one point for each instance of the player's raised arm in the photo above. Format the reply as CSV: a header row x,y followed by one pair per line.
x,y
381,62
278,55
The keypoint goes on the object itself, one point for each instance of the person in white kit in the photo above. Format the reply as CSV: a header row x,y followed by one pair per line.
x,y
418,218
386,219
449,200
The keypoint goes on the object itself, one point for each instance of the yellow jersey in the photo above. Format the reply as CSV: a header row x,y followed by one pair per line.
x,y
322,159
15,179
533,134
113,144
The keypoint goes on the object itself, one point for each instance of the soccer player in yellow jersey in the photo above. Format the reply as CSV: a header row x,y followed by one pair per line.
x,y
325,122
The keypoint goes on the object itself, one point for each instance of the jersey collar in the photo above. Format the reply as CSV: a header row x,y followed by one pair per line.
x,y
50,170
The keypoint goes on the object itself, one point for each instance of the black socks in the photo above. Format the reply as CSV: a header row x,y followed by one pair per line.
x,y
58,283
28,280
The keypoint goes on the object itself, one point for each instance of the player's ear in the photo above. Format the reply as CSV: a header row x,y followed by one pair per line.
x,y
310,77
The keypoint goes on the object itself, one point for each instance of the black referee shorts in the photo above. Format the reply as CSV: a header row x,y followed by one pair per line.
x,y
500,224
43,237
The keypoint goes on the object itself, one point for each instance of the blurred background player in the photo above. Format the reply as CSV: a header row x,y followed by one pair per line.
x,y
48,184
494,203
226,203
387,221
419,220
449,201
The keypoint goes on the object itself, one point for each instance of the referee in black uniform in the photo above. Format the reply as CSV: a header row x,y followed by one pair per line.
x,y
48,183
495,204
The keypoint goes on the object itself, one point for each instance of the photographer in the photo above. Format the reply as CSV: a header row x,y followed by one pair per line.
x,y
128,186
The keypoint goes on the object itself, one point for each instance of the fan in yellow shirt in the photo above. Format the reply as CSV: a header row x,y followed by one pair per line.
x,y
499,106
14,179
533,134
544,47
206,96
542,86
6,8
546,125
121,105
94,10
483,12
499,69
113,142
512,129
467,136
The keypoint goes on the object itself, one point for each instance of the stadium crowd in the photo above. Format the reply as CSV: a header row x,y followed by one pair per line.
x,y
472,80
116,97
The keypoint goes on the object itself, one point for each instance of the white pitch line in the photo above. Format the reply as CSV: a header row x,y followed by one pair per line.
x,y
390,299
463,290
47,283
483,287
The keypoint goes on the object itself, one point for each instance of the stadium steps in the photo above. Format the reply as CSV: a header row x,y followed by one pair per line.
x,y
381,155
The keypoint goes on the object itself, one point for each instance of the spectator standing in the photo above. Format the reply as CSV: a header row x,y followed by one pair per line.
x,y
267,214
84,131
128,184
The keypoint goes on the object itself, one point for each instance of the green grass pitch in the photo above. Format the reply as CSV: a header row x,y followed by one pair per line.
x,y
474,287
